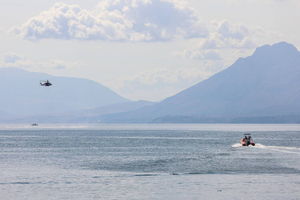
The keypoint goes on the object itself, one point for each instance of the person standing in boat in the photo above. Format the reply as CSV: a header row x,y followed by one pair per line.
x,y
251,140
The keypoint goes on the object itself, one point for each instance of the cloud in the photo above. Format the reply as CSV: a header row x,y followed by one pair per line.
x,y
259,1
200,54
157,84
225,34
14,60
227,30
115,20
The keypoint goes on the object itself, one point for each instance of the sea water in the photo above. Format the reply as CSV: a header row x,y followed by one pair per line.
x,y
149,161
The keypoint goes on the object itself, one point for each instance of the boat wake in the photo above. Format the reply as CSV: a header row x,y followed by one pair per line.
x,y
237,145
283,149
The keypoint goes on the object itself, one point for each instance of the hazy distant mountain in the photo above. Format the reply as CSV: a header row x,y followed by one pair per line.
x,y
85,116
262,88
96,113
22,95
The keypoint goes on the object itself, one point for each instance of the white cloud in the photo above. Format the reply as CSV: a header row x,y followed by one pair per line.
x,y
229,35
14,60
224,36
259,1
234,31
115,20
158,84
201,54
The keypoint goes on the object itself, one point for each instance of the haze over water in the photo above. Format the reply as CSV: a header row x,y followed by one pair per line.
x,y
142,161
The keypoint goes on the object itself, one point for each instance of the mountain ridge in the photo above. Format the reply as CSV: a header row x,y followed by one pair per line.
x,y
260,88
23,96
261,85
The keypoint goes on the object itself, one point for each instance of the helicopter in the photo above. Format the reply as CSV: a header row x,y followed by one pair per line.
x,y
45,83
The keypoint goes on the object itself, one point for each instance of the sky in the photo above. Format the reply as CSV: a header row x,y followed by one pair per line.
x,y
141,49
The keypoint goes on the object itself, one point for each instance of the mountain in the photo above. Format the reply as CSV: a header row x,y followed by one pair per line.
x,y
22,95
93,115
261,88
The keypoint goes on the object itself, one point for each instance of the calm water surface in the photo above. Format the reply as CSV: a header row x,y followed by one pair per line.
x,y
188,161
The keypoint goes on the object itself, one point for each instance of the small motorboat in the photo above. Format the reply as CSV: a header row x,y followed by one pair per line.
x,y
34,124
247,140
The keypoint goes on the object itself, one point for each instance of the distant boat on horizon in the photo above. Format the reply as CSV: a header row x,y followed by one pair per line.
x,y
34,124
